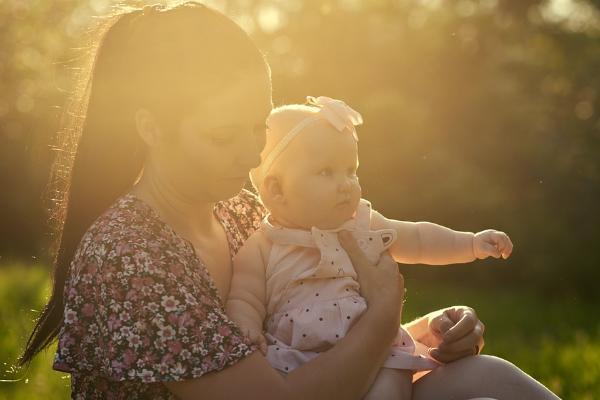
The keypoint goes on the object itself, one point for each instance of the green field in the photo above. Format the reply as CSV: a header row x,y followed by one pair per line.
x,y
555,340
22,290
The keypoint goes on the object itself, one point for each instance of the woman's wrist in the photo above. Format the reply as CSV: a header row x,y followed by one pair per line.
x,y
418,327
384,318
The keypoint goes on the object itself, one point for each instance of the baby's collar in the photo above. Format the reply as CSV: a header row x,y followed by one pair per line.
x,y
297,236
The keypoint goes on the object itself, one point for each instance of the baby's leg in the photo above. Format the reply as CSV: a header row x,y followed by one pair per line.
x,y
392,384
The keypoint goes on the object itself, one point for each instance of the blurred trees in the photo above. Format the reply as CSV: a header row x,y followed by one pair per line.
x,y
478,114
32,42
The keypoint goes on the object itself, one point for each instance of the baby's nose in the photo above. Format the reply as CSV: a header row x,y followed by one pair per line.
x,y
345,185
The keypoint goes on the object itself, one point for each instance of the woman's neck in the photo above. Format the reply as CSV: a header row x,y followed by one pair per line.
x,y
192,218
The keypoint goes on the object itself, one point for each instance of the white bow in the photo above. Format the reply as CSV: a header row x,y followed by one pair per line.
x,y
338,113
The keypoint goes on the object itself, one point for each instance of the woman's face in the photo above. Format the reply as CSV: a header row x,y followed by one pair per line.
x,y
218,143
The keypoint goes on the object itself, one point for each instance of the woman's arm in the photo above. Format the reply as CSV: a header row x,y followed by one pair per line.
x,y
426,242
345,371
247,296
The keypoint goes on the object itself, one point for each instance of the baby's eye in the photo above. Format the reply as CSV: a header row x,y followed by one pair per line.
x,y
325,172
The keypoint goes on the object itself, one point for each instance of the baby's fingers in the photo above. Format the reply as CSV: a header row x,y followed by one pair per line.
x,y
490,250
259,340
262,345
502,242
507,248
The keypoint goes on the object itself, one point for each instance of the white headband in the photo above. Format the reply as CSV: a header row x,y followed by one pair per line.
x,y
336,112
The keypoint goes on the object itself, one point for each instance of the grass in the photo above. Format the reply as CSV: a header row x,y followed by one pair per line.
x,y
556,340
24,288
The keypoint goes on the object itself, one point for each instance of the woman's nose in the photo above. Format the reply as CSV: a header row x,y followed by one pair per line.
x,y
249,158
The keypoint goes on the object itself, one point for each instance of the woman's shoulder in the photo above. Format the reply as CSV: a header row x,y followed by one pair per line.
x,y
247,204
241,216
129,227
128,214
136,295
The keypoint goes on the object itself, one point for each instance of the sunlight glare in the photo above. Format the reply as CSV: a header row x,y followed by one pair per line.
x,y
270,18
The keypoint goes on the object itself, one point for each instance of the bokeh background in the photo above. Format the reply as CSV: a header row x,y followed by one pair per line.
x,y
478,114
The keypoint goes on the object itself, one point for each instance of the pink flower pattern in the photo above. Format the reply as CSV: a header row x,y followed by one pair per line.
x,y
141,308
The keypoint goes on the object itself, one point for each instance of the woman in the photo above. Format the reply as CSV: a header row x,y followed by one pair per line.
x,y
172,122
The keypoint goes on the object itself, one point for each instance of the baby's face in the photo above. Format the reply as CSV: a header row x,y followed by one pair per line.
x,y
319,182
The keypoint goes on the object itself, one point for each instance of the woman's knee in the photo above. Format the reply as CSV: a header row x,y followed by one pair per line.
x,y
493,362
479,376
503,379
494,367
467,378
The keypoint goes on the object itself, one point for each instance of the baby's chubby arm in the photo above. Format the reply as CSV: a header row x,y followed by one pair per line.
x,y
247,296
429,243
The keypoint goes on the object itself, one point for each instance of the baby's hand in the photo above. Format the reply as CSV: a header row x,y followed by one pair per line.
x,y
257,338
492,243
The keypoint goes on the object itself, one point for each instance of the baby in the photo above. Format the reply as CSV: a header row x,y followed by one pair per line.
x,y
294,290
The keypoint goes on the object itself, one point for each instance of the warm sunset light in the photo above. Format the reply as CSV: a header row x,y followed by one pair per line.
x,y
176,179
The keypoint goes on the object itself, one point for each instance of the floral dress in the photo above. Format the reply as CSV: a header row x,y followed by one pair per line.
x,y
141,308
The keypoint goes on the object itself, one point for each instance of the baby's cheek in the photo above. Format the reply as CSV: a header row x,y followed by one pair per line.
x,y
308,212
357,192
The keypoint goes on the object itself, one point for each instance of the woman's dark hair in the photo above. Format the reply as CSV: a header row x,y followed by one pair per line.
x,y
163,59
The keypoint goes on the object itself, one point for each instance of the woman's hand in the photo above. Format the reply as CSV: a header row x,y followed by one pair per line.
x,y
453,333
381,285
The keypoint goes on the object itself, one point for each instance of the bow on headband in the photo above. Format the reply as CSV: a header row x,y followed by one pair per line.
x,y
336,112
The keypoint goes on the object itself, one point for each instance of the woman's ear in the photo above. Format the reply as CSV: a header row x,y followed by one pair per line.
x,y
273,189
147,127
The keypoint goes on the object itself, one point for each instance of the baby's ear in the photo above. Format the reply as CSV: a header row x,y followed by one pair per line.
x,y
272,189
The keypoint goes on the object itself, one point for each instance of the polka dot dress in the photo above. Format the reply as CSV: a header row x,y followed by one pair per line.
x,y
313,294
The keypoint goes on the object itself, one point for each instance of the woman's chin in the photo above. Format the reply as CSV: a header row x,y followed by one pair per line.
x,y
226,190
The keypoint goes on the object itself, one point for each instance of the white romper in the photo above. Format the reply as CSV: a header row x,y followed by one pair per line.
x,y
313,295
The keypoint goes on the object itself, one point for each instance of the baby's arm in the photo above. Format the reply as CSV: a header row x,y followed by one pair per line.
x,y
429,243
247,296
